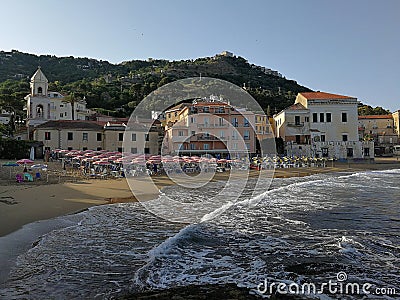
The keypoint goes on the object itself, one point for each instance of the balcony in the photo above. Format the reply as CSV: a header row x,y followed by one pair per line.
x,y
211,138
208,125
295,124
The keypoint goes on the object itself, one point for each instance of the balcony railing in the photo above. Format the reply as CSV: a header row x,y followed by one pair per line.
x,y
208,125
295,124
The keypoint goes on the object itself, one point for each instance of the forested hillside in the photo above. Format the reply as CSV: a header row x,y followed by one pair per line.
x,y
117,88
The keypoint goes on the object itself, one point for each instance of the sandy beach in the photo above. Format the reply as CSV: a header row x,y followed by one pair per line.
x,y
24,203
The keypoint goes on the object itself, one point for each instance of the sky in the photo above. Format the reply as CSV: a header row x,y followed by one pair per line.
x,y
348,47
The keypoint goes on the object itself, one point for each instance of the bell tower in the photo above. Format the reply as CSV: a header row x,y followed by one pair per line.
x,y
39,84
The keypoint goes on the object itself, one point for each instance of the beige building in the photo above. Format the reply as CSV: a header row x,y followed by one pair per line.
x,y
136,139
80,135
84,135
379,128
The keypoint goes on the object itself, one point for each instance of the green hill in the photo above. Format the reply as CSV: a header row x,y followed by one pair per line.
x,y
117,88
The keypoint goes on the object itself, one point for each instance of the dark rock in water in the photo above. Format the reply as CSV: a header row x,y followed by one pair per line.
x,y
196,292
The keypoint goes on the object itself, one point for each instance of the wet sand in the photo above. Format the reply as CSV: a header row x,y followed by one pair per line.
x,y
29,202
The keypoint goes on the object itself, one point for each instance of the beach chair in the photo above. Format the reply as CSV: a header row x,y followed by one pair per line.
x,y
28,177
38,176
19,178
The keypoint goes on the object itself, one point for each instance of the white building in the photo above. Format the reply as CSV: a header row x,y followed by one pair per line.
x,y
43,105
322,125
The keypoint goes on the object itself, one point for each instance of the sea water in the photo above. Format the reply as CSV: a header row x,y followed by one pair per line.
x,y
300,230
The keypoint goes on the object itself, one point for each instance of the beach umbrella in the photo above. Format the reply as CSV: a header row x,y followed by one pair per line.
x,y
10,164
25,161
101,163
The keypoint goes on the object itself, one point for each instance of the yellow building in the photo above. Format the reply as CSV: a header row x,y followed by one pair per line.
x,y
396,122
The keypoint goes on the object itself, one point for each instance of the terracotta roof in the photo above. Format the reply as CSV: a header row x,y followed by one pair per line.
x,y
69,124
216,103
376,117
323,96
296,106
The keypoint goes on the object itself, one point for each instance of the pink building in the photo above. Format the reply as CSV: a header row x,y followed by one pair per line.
x,y
215,128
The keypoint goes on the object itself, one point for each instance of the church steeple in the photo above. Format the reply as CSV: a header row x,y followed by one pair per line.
x,y
39,84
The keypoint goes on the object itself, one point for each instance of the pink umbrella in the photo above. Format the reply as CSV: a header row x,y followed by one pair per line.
x,y
101,162
25,161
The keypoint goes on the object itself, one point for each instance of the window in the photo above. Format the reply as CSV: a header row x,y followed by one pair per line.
x,y
366,151
246,135
120,136
221,121
322,117
222,134
192,146
47,136
169,116
234,146
206,121
322,137
46,148
234,135
61,115
99,149
307,119
69,148
84,136
180,133
40,90
221,110
328,117
146,137
119,149
344,137
193,133
248,146
84,148
98,137
235,122
206,109
70,136
297,120
325,152
206,146
146,150
192,120
297,139
176,114
61,105
133,150
349,152
344,117
133,137
315,117
246,123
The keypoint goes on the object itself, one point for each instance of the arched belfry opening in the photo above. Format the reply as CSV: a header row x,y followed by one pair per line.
x,y
39,111
40,90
